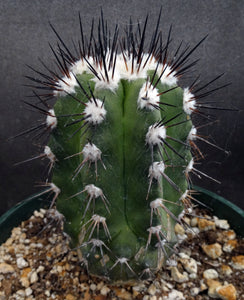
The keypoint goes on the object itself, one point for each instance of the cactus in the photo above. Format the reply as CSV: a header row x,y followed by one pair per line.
x,y
121,147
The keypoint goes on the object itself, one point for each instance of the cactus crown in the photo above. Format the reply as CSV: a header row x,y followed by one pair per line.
x,y
121,146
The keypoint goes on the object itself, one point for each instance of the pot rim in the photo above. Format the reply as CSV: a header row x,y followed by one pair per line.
x,y
222,207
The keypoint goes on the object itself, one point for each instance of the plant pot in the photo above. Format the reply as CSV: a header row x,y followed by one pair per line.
x,y
219,205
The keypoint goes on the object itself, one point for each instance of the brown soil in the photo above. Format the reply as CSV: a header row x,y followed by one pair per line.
x,y
36,263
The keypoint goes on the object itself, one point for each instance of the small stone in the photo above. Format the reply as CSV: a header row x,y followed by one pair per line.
x,y
99,285
187,220
123,294
21,263
230,245
194,222
210,274
20,293
238,262
195,291
222,224
179,229
24,282
173,295
93,287
205,225
59,269
226,270
40,269
24,277
6,268
105,290
193,275
212,286
213,250
152,289
190,265
203,286
28,292
33,277
38,214
226,292
177,276
193,230
9,242
70,297
181,237
43,211
184,255
228,235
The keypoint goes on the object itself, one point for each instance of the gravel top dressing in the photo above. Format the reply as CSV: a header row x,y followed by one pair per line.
x,y
37,263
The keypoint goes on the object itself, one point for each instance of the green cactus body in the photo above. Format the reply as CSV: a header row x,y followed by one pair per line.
x,y
123,163
120,142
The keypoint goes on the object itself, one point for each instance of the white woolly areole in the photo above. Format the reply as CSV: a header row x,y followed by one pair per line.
x,y
161,243
190,166
54,188
130,70
93,190
96,242
156,169
81,66
168,77
95,111
91,152
181,215
189,102
148,97
51,119
156,203
113,75
98,218
154,229
66,85
155,134
49,154
192,136
184,195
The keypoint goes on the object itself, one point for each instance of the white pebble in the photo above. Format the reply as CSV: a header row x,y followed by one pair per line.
x,y
21,293
177,276
93,287
105,290
28,292
184,255
40,269
194,222
21,263
193,275
174,295
152,289
222,224
210,274
34,277
181,237
195,291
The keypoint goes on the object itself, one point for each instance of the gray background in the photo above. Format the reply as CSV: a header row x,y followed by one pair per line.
x,y
25,34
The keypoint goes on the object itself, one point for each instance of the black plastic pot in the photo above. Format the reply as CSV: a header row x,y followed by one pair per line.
x,y
221,207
